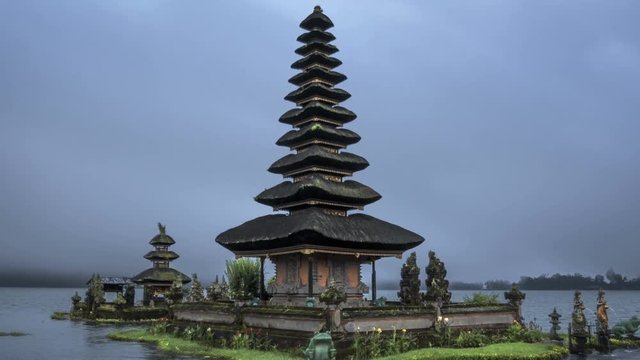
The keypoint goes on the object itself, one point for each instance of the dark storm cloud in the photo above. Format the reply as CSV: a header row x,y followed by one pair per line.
x,y
504,132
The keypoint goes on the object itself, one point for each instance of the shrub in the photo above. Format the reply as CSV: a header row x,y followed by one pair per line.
x,y
244,278
517,333
481,299
472,338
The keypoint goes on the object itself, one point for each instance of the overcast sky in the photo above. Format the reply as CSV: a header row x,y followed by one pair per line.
x,y
504,132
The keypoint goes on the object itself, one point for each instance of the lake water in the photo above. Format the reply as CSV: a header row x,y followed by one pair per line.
x,y
29,309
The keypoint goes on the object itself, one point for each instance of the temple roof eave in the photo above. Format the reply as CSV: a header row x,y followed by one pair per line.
x,y
350,193
317,131
329,76
314,228
337,114
315,155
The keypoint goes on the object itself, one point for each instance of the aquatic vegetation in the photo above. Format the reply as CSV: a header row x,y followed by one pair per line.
x,y
13,333
59,315
627,328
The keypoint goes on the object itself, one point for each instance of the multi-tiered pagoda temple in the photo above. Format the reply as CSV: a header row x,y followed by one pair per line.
x,y
318,242
157,280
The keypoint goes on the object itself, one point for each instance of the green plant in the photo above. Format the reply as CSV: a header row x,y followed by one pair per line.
x,y
59,315
374,343
481,299
244,278
399,342
239,341
442,329
471,338
518,333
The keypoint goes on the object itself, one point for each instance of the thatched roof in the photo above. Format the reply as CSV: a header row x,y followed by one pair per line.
x,y
316,35
160,275
306,92
161,255
316,20
329,76
316,58
317,108
314,227
319,156
316,187
318,131
306,49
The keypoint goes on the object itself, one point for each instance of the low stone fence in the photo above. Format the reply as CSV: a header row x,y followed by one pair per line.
x,y
304,321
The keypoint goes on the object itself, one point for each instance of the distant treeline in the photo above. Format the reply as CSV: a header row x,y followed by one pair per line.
x,y
609,281
487,285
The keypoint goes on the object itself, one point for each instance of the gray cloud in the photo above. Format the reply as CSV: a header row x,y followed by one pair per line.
x,y
504,132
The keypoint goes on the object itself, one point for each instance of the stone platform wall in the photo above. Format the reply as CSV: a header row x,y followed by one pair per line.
x,y
294,326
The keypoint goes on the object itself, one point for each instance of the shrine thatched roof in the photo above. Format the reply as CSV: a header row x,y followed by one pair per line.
x,y
160,275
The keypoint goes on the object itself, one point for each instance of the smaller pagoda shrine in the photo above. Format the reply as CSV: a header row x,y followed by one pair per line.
x,y
157,280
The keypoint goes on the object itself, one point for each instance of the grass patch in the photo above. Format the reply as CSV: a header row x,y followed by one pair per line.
x,y
59,315
13,333
502,351
176,345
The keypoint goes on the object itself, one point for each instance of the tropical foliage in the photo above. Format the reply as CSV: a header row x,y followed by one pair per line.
x,y
244,278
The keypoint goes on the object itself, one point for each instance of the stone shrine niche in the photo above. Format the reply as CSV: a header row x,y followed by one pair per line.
x,y
292,269
337,271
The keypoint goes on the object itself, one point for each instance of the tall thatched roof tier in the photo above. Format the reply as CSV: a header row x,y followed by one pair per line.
x,y
316,133
313,229
316,46
317,92
315,189
317,20
319,156
318,111
317,74
316,36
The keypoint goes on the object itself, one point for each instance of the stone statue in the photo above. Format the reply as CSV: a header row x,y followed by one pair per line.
x,y
409,293
601,312
578,332
218,291
196,292
320,347
602,323
176,292
515,298
578,320
437,284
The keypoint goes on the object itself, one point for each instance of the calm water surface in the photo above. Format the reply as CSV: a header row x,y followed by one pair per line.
x,y
29,309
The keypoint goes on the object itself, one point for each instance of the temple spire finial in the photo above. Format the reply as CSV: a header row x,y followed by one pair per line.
x,y
317,8
162,228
